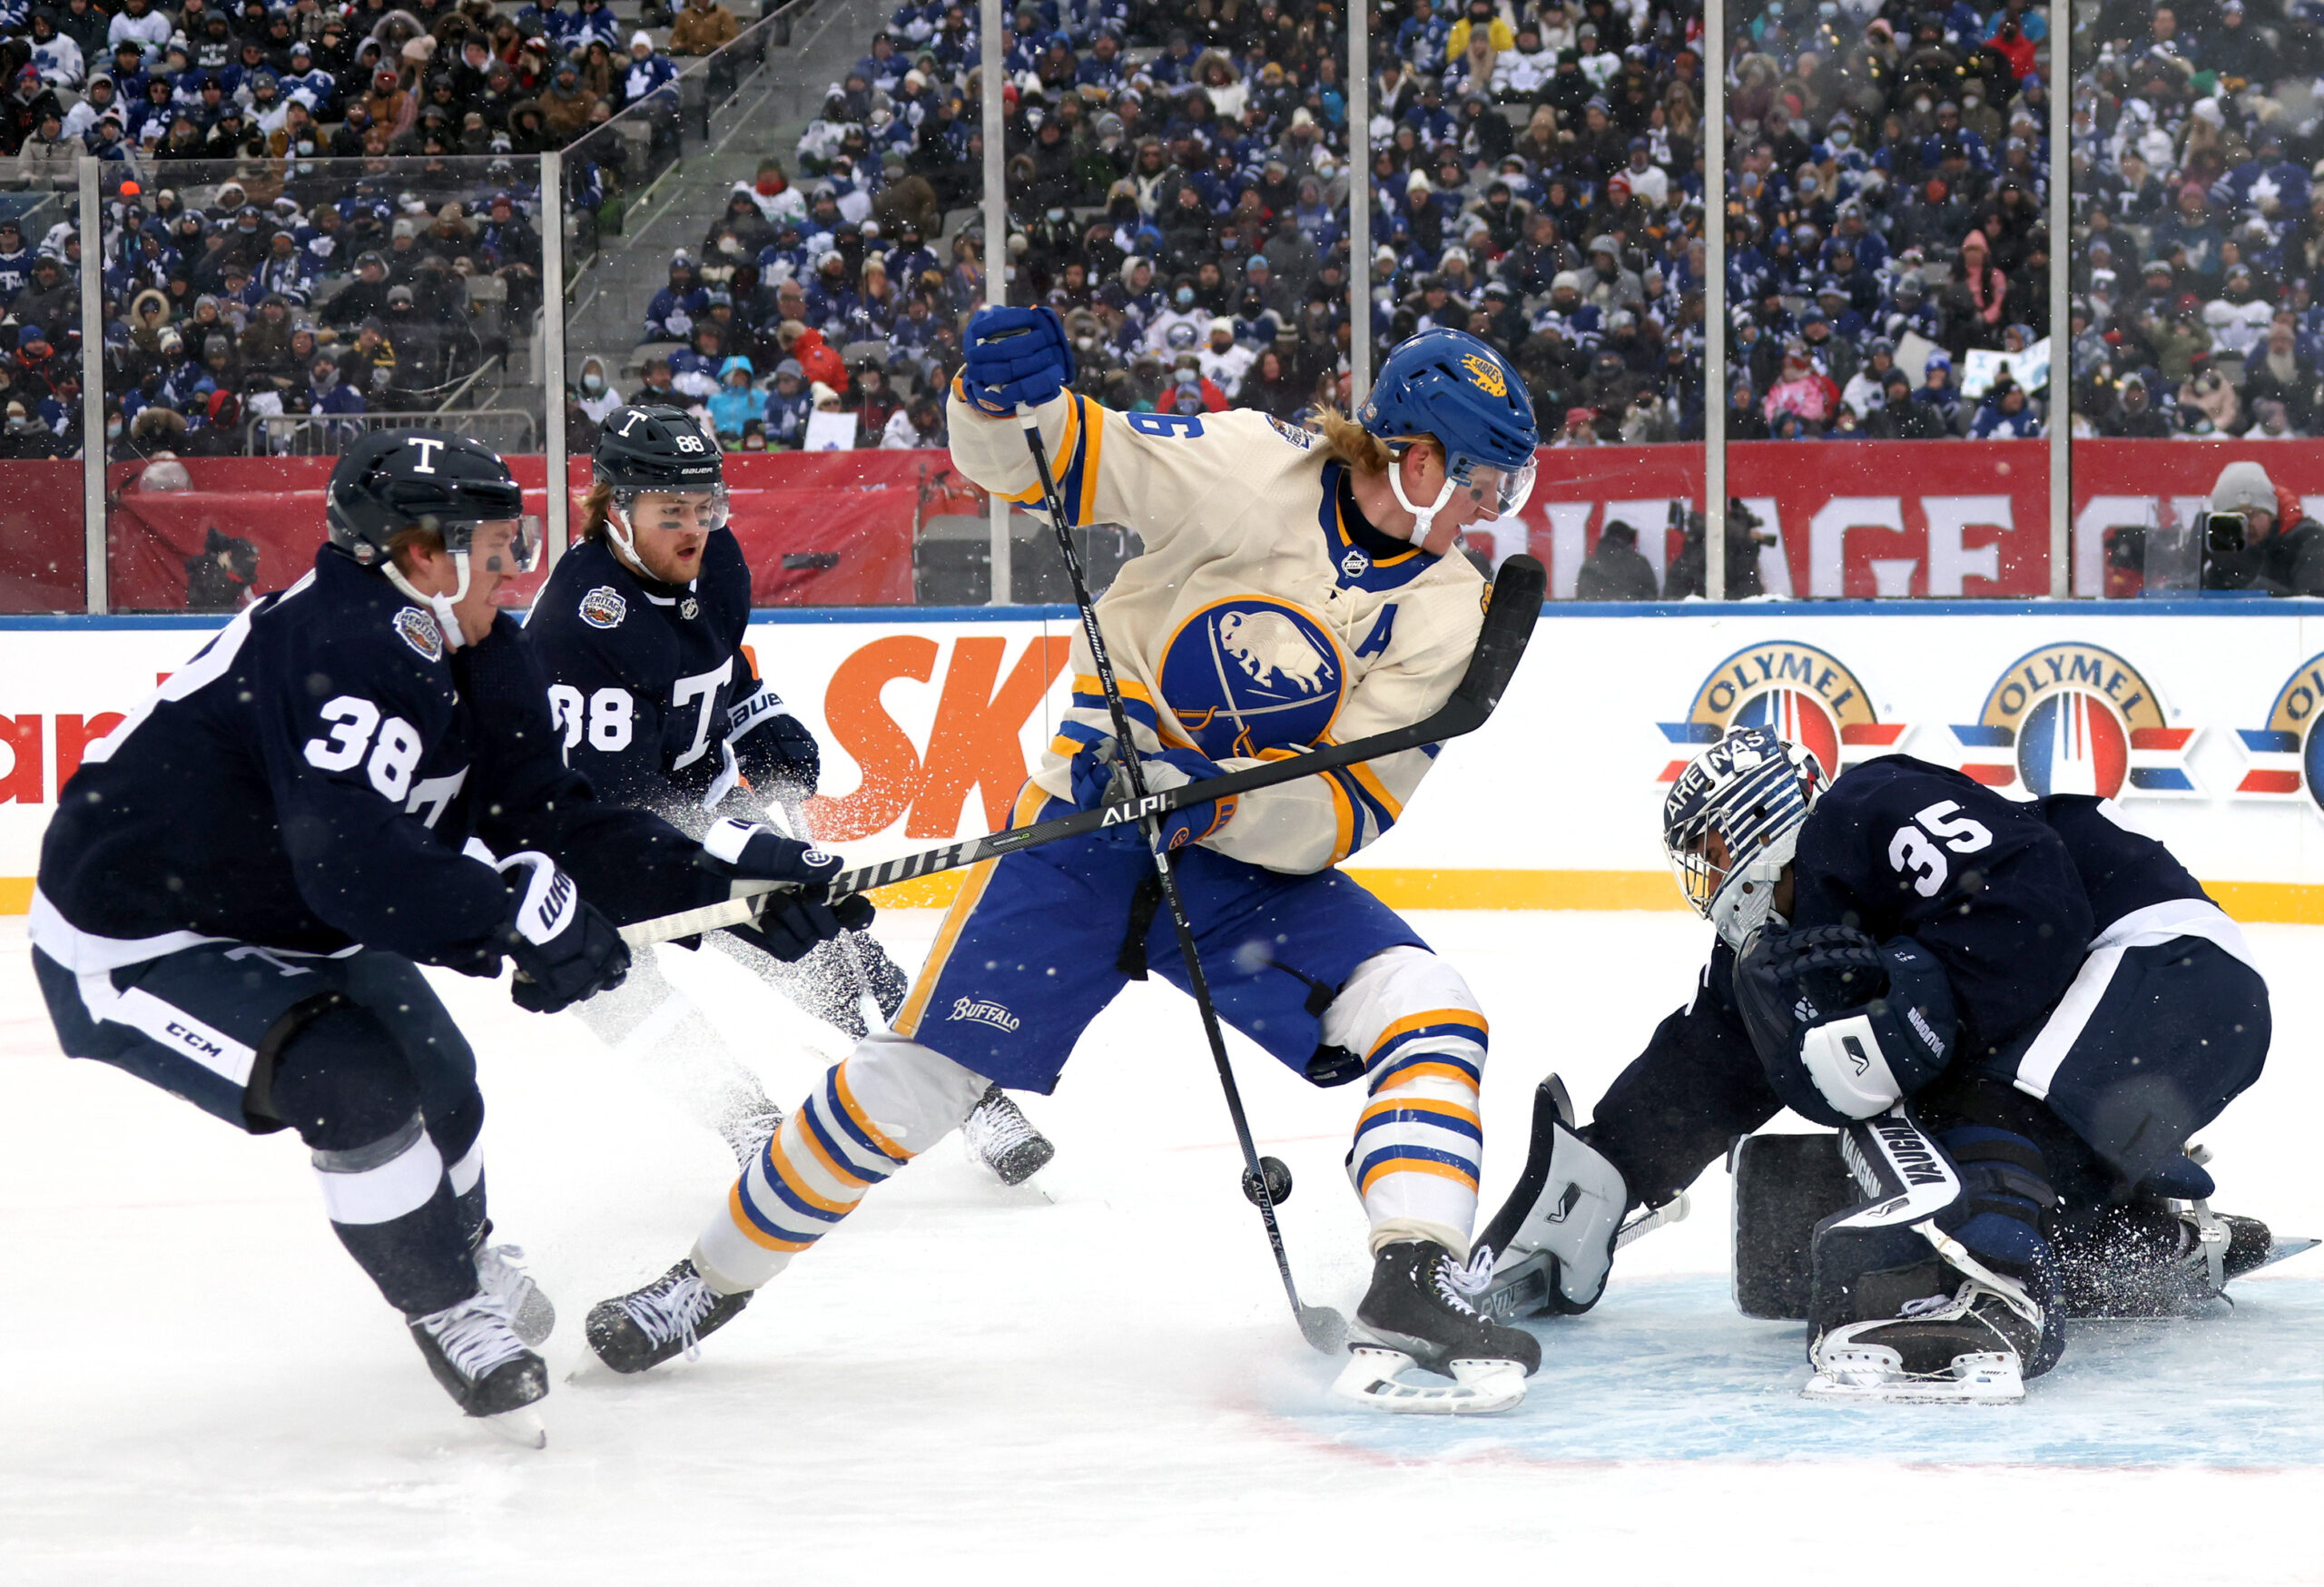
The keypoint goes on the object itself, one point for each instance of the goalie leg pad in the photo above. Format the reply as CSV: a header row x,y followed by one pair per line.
x,y
1553,1239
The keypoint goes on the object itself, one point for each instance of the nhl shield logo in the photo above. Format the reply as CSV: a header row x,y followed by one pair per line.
x,y
2287,756
602,608
1251,673
1804,694
2075,718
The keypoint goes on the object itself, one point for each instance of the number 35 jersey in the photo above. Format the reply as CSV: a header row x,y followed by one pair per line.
x,y
308,782
1263,617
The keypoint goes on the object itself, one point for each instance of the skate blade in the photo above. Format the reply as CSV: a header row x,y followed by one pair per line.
x,y
1478,1387
1983,1377
522,1427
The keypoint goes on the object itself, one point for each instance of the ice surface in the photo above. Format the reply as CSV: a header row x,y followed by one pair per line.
x,y
1093,1377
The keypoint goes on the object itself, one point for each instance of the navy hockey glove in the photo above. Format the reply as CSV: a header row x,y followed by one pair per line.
x,y
1843,1025
1013,356
792,919
564,949
773,748
1099,779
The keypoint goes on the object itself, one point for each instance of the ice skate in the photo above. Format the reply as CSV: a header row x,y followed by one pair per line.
x,y
1966,1348
500,1270
998,1135
645,1327
2154,1258
1418,1314
474,1351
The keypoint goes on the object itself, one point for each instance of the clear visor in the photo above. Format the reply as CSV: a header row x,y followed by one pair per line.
x,y
1508,489
517,540
677,512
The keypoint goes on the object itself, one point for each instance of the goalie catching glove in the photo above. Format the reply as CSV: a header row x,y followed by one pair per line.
x,y
793,919
1844,1027
563,948
1099,779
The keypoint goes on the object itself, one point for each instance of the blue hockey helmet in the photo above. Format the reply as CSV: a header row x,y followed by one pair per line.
x,y
1448,387
1754,789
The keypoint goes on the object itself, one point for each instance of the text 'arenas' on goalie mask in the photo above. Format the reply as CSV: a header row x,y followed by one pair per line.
x,y
1731,823
664,474
1450,388
394,481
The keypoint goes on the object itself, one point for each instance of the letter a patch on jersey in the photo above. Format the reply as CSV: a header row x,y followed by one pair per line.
x,y
419,630
602,608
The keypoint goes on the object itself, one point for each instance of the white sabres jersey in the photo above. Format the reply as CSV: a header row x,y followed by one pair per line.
x,y
1252,627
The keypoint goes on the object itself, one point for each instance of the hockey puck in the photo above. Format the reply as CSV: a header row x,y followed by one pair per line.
x,y
1279,1182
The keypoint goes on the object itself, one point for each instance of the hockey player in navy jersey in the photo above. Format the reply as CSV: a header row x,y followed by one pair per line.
x,y
2016,1013
242,879
1294,589
640,633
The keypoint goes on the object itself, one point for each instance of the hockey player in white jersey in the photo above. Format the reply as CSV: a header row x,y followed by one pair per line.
x,y
1295,591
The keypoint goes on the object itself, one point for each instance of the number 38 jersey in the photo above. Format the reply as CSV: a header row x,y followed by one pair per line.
x,y
309,781
644,678
1263,617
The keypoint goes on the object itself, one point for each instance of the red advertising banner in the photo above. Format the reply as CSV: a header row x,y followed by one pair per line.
x,y
1950,520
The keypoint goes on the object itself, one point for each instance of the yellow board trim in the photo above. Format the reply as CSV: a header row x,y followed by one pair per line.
x,y
2252,902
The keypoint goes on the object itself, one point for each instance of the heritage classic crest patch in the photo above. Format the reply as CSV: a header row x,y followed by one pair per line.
x,y
2287,756
1807,695
2075,718
602,608
419,630
1485,375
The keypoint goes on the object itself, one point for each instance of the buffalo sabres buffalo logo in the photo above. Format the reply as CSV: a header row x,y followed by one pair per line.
x,y
419,630
2076,719
2287,755
1485,375
1250,674
602,608
1806,696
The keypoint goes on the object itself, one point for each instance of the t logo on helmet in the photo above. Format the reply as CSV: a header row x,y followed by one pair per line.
x,y
426,448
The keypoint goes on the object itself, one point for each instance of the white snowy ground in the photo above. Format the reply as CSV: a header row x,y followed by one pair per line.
x,y
1095,1381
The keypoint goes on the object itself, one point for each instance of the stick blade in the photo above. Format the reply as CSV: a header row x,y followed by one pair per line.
x,y
1512,609
1324,1328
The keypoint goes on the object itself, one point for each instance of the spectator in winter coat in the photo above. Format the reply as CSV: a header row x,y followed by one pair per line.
x,y
649,72
2275,558
735,402
1615,569
787,406
1801,388
2134,417
2005,416
1901,418
701,27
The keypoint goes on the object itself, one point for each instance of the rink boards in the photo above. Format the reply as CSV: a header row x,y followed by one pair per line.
x,y
2195,715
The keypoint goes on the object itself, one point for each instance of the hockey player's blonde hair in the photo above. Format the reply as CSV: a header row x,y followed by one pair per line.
x,y
1353,444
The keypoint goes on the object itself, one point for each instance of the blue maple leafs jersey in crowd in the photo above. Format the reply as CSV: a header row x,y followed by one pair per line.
x,y
308,782
649,687
2005,894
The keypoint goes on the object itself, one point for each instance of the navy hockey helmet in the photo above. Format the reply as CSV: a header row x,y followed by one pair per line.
x,y
392,480
1448,387
1754,789
652,449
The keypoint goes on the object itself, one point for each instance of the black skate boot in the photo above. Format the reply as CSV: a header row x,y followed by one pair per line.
x,y
647,1326
999,1136
474,1352
2149,1258
1417,1314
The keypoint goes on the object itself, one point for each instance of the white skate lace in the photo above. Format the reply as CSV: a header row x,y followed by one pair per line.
x,y
474,1335
671,1312
1455,1283
501,1268
997,1127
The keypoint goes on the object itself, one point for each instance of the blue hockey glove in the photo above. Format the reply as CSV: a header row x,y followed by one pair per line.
x,y
1013,356
1843,1025
1099,779
773,748
564,949
791,920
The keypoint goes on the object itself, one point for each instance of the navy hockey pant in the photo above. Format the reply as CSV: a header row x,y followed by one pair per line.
x,y
355,1053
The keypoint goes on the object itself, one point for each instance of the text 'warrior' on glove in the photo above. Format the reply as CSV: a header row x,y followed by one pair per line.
x,y
793,918
1099,779
563,948
1013,356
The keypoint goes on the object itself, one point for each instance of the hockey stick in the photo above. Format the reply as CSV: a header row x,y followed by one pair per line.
x,y
1320,1325
1515,605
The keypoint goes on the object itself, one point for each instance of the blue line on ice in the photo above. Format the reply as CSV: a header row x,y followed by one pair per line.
x,y
1665,1369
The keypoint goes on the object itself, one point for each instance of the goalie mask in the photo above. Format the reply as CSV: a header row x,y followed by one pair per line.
x,y
1753,791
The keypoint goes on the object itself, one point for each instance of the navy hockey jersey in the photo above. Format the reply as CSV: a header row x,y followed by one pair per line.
x,y
649,686
2007,895
308,782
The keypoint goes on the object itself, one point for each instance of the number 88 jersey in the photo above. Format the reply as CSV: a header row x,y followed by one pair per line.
x,y
644,677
